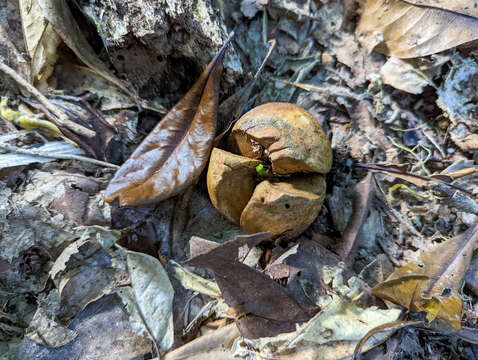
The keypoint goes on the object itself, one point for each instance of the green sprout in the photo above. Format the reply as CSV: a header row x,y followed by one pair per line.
x,y
261,170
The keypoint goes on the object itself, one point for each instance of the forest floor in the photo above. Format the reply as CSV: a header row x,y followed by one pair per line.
x,y
384,269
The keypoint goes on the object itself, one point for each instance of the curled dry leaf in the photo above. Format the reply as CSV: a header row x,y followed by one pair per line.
x,y
213,345
431,284
174,154
405,30
41,41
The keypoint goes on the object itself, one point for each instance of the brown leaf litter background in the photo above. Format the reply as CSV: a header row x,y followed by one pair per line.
x,y
383,268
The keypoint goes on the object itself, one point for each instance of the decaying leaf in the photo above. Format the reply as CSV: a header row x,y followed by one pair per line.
x,y
174,154
153,294
48,23
405,30
261,306
214,345
404,75
45,330
105,142
52,147
455,97
41,41
102,330
431,284
331,334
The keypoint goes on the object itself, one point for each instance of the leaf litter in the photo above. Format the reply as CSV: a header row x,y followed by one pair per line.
x,y
400,196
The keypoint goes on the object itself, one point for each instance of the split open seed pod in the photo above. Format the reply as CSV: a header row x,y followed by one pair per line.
x,y
290,141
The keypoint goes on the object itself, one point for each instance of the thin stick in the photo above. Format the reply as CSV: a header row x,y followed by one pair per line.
x,y
33,152
395,171
62,118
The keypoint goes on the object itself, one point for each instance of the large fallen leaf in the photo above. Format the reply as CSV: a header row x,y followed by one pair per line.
x,y
404,30
431,283
153,294
174,154
262,306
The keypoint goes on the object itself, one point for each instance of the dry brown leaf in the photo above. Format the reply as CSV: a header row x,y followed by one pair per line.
x,y
58,14
214,345
174,154
48,23
404,30
431,283
261,306
41,42
465,7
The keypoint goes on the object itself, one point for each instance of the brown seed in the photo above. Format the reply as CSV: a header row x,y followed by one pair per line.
x,y
230,182
286,135
286,207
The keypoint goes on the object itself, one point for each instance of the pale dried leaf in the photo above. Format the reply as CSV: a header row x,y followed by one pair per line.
x,y
153,294
403,75
465,7
404,30
194,282
214,345
58,14
41,41
53,147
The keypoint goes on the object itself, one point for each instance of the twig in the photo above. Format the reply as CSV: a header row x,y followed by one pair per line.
x,y
364,193
62,118
423,177
33,152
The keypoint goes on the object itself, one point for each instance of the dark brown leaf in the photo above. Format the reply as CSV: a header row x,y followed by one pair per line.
x,y
267,309
174,154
